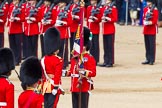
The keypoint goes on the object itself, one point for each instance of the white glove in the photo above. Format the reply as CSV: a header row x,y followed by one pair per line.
x,y
60,23
32,18
75,17
48,21
29,22
90,20
64,72
1,20
11,19
17,18
147,22
138,9
93,17
106,19
54,91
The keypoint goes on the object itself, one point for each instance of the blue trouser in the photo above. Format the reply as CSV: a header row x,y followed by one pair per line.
x,y
15,45
108,41
150,46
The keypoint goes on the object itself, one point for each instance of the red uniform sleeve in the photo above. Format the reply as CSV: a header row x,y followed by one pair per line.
x,y
4,17
113,15
155,16
91,67
10,96
58,72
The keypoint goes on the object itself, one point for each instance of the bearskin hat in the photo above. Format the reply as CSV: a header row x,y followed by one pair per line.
x,y
7,61
30,71
87,42
51,40
153,1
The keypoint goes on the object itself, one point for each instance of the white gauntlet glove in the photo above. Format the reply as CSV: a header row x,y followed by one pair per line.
x,y
54,91
1,20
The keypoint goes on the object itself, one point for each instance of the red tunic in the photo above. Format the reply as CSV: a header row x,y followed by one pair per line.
x,y
32,28
6,93
89,64
4,17
93,26
150,29
53,66
74,22
109,27
64,29
45,9
15,24
30,99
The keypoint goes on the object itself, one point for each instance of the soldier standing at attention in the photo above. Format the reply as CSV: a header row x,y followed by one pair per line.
x,y
93,23
6,87
109,17
62,24
52,66
81,82
31,27
75,12
150,18
48,19
15,35
3,17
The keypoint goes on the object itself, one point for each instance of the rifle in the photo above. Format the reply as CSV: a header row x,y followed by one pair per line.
x,y
76,9
1,7
35,10
17,10
48,14
109,10
96,10
149,14
62,15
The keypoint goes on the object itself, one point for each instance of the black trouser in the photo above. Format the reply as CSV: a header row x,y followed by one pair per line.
x,y
95,47
108,41
150,46
72,38
63,52
24,46
50,100
15,45
1,40
84,99
32,45
42,44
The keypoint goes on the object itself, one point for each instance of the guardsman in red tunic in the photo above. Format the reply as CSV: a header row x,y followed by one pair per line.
x,y
6,87
84,75
52,66
109,17
150,30
75,12
15,35
30,74
3,17
62,24
32,27
48,19
93,23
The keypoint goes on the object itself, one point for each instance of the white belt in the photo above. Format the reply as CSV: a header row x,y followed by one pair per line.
x,y
3,103
74,75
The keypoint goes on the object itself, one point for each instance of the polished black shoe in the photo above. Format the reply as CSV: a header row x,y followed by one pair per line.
x,y
145,62
151,63
102,65
109,65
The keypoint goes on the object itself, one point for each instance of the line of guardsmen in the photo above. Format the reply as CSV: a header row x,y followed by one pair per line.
x,y
26,21
45,92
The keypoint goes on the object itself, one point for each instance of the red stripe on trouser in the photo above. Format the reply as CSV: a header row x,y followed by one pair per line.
x,y
56,101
